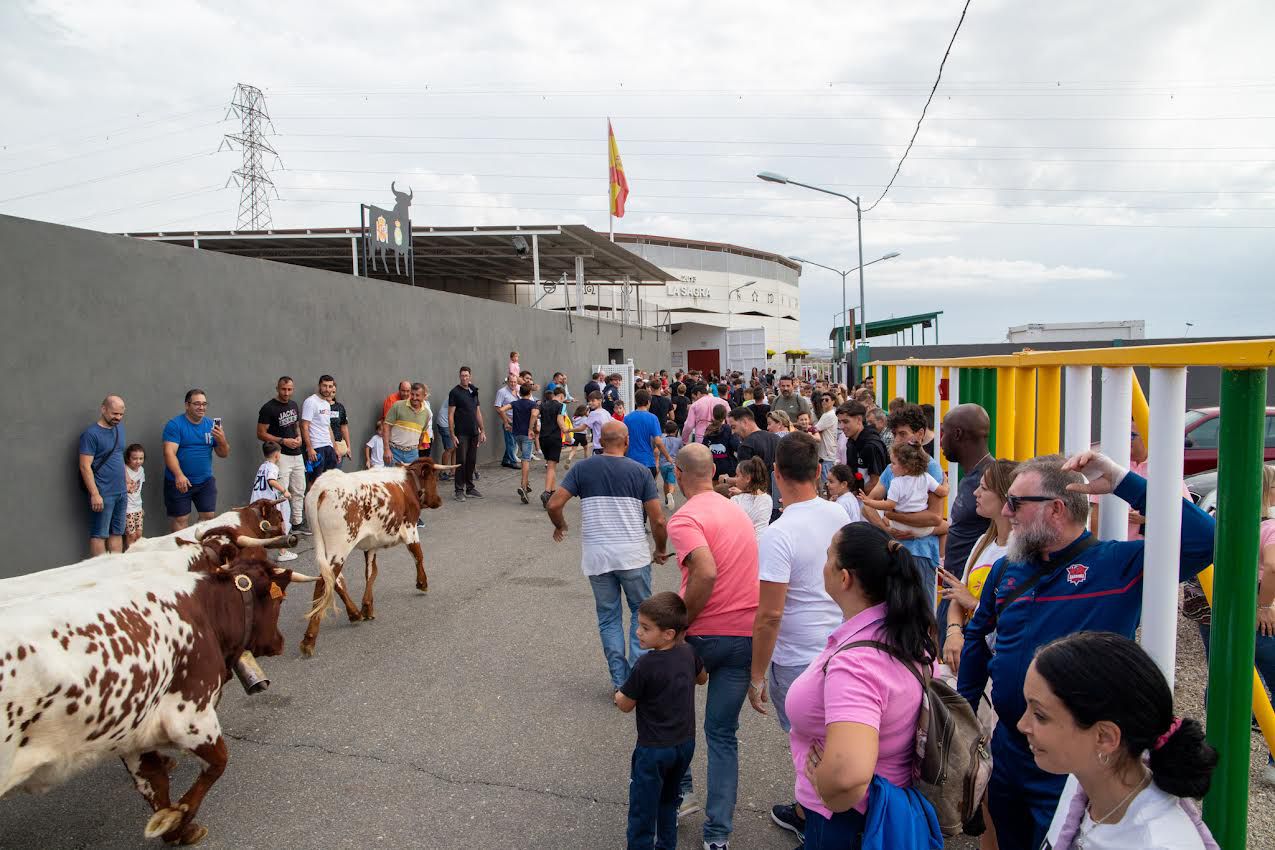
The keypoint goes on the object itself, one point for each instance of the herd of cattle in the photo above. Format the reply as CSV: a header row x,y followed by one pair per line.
x,y
126,655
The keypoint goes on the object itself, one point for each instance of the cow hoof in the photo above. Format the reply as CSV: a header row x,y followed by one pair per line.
x,y
423,588
355,616
163,821
368,614
307,649
193,833
168,763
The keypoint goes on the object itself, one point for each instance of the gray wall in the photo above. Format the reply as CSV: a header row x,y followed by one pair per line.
x,y
86,314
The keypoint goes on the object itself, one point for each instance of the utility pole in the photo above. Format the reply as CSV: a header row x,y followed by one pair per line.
x,y
252,177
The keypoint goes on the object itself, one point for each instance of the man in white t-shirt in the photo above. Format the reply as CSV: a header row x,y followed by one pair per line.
x,y
795,615
316,430
826,428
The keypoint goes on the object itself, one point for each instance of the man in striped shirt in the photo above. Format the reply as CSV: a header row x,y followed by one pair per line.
x,y
615,493
404,423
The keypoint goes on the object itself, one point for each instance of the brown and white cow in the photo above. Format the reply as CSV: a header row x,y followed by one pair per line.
x,y
262,518
128,656
369,510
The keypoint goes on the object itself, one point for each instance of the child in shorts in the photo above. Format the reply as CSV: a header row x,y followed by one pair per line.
x,y
909,489
266,486
374,449
659,687
579,433
672,442
844,486
134,478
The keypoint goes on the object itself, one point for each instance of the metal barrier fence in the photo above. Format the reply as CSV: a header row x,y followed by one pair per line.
x,y
1023,395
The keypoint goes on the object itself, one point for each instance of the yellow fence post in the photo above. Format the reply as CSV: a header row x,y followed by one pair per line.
x,y
1048,409
1024,413
1005,414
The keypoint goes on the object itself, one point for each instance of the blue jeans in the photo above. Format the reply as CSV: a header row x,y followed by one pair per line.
x,y
1263,660
781,678
404,456
653,794
842,831
1021,797
109,521
508,457
636,586
727,660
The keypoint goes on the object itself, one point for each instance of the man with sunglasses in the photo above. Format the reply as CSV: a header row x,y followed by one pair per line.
x,y
1055,580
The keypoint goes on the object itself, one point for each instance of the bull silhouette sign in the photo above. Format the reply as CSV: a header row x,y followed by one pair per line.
x,y
388,232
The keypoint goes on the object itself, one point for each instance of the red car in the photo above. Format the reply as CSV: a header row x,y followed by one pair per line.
x,y
1202,435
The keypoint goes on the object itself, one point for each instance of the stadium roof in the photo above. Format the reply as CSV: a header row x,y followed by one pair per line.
x,y
440,253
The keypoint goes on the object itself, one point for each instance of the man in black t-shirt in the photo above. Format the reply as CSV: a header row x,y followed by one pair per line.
x,y
661,406
963,440
864,449
594,385
759,408
278,421
465,418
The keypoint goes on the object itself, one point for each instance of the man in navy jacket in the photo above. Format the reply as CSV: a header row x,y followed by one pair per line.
x,y
1057,580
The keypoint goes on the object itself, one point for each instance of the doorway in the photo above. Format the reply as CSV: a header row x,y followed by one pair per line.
x,y
706,360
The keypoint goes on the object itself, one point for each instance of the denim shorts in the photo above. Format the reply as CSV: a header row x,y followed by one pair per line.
x,y
109,521
445,437
204,496
525,447
403,456
666,471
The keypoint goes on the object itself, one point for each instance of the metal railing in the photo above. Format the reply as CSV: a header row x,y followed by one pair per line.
x,y
1023,396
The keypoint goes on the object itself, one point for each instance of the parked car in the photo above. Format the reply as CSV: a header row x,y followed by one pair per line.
x,y
1203,433
1203,487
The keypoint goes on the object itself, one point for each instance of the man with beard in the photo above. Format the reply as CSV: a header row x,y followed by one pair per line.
x,y
1055,580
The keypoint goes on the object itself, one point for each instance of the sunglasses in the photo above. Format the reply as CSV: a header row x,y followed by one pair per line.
x,y
1016,502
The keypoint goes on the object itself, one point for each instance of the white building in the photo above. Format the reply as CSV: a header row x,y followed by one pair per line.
x,y
762,289
1077,331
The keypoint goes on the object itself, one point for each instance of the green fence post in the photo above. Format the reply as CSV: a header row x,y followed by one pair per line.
x,y
1239,491
914,382
989,404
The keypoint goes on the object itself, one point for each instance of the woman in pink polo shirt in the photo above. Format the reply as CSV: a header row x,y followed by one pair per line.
x,y
854,712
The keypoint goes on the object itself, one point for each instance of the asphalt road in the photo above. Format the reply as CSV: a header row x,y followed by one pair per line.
x,y
477,715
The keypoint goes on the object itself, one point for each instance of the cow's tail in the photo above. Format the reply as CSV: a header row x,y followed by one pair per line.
x,y
326,599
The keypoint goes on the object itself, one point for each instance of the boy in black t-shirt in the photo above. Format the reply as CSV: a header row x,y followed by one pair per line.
x,y
662,688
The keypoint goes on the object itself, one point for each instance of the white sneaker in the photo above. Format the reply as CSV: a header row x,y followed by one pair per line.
x,y
286,556
689,806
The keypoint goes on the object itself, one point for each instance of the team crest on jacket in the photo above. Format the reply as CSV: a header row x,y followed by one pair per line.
x,y
1077,573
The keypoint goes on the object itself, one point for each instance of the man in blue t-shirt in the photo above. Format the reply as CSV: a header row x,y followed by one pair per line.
x,y
644,434
190,439
101,459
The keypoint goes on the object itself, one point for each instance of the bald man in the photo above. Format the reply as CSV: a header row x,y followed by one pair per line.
x,y
963,440
615,493
717,553
102,448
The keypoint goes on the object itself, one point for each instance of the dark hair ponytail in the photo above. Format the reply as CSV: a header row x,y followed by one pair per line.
x,y
1106,676
888,574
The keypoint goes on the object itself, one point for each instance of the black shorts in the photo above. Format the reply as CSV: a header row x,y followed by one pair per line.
x,y
203,495
582,440
551,448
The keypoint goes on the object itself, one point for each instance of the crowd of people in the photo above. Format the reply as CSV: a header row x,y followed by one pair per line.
x,y
804,521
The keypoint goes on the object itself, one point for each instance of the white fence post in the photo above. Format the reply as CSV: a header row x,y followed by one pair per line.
x,y
1078,409
1113,430
1164,518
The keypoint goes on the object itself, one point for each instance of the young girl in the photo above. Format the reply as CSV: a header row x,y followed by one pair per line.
x,y
134,478
672,443
844,486
751,491
909,489
580,432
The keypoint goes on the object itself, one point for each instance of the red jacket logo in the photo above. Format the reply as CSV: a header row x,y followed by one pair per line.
x,y
1077,573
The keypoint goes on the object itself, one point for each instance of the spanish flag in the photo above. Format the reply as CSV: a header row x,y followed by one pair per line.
x,y
619,185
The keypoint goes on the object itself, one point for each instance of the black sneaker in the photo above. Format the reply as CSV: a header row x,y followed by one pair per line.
x,y
460,496
522,494
473,494
303,530
544,499
786,817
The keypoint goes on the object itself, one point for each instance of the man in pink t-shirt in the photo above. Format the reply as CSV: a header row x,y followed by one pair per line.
x,y
717,553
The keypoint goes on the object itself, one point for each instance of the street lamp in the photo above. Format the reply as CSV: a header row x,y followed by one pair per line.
x,y
730,306
772,177
859,268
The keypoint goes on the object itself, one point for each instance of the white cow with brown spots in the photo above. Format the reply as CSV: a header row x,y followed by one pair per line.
x,y
124,655
369,510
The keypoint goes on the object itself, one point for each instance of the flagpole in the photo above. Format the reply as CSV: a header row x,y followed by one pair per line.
x,y
610,202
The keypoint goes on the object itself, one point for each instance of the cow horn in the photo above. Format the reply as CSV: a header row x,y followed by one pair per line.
x,y
279,501
410,193
280,542
439,467
392,189
301,578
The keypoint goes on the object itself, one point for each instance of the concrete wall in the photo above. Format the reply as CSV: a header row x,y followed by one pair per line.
x,y
86,314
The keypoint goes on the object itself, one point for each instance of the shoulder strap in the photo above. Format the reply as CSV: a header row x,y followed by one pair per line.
x,y
97,465
1045,569
884,647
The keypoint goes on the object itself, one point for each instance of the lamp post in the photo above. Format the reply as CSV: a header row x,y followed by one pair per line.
x,y
863,326
730,309
772,177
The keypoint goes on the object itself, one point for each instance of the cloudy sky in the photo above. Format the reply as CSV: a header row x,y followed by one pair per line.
x,y
1081,160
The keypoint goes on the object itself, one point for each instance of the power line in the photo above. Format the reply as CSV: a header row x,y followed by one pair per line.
x,y
925,108
430,116
167,198
97,151
699,180
105,177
